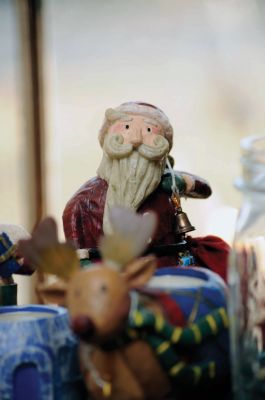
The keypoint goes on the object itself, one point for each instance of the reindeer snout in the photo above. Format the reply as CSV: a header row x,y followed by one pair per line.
x,y
83,327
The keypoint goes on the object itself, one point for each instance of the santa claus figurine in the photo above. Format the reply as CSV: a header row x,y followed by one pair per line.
x,y
136,172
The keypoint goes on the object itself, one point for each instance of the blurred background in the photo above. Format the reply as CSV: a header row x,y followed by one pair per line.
x,y
202,62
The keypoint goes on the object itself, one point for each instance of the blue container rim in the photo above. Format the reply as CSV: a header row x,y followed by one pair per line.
x,y
55,310
180,271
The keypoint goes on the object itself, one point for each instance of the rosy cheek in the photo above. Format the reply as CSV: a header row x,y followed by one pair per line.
x,y
156,131
116,128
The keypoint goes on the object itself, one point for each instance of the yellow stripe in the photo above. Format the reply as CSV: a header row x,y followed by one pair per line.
x,y
6,245
159,323
176,368
212,323
176,335
8,253
224,317
138,318
162,347
106,389
197,374
197,333
3,240
212,369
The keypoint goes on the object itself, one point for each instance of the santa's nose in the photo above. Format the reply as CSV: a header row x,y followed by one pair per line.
x,y
136,137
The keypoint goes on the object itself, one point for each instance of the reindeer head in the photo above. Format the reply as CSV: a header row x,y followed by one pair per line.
x,y
98,297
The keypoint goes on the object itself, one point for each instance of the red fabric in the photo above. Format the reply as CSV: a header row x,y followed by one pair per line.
x,y
173,312
211,252
83,214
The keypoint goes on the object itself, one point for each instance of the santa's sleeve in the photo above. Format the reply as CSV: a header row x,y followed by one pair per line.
x,y
72,223
83,214
196,187
189,185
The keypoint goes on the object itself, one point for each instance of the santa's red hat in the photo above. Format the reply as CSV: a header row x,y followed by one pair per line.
x,y
137,108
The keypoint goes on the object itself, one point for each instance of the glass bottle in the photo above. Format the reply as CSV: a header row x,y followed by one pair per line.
x,y
246,277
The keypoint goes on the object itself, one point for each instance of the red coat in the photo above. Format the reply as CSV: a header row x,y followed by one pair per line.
x,y
83,220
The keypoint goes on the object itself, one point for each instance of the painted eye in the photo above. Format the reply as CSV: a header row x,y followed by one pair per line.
x,y
127,126
148,129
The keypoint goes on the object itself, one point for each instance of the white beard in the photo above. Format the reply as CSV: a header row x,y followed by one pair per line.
x,y
131,180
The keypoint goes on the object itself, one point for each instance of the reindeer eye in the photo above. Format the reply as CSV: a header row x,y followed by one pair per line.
x,y
127,126
148,129
103,288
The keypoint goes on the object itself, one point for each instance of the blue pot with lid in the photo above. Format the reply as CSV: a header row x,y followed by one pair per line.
x,y
38,354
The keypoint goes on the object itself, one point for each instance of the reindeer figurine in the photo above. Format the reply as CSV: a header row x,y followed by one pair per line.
x,y
131,346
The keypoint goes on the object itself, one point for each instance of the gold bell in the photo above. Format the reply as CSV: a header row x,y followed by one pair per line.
x,y
182,223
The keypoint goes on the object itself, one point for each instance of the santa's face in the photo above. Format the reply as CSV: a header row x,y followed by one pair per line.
x,y
137,130
135,151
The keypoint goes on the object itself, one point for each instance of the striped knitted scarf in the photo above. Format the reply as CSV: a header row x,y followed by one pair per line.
x,y
169,341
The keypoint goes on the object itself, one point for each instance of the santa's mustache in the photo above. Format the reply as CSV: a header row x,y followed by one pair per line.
x,y
116,149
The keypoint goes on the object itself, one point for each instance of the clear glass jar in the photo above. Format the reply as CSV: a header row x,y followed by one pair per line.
x,y
246,277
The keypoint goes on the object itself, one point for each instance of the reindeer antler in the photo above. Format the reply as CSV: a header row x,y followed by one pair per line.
x,y
131,234
45,252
